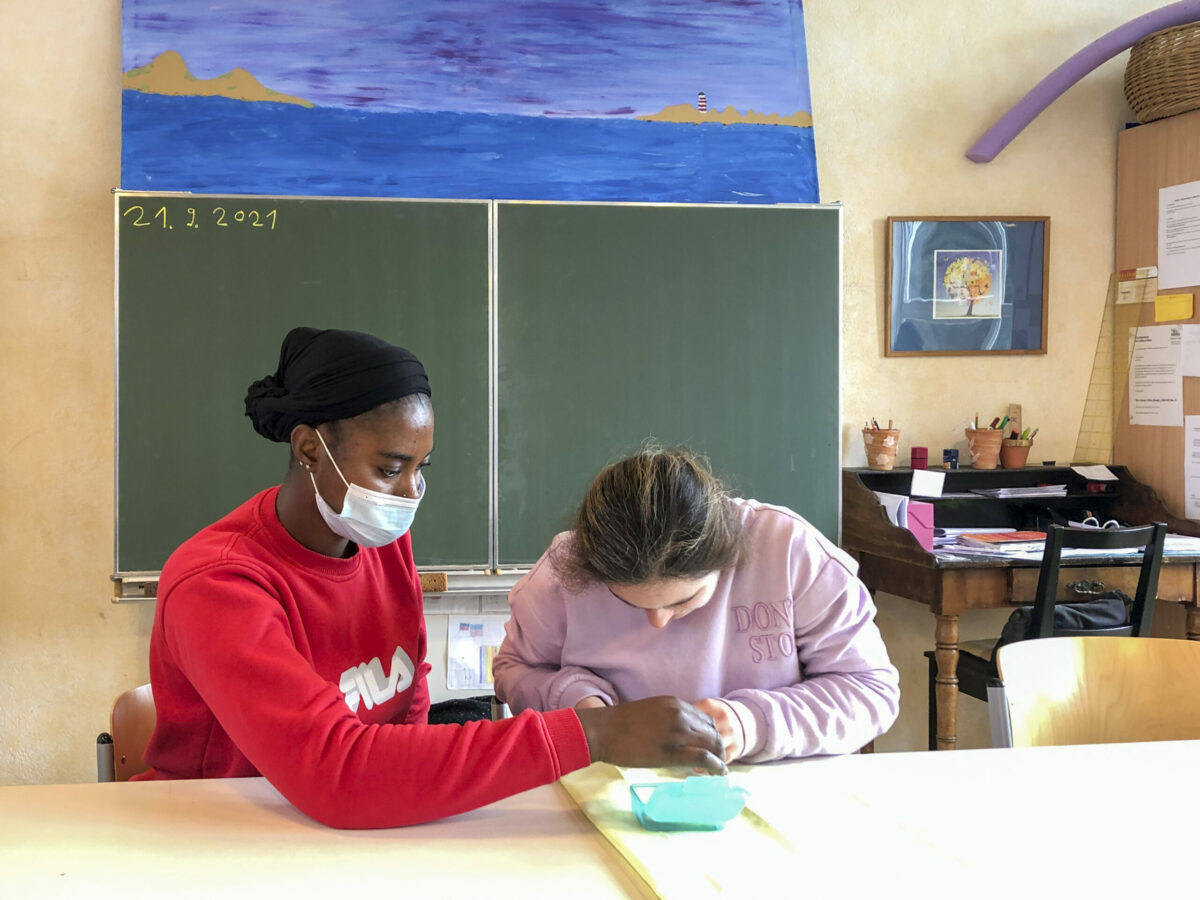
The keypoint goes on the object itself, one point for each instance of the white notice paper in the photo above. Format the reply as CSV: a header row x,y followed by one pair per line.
x,y
1155,385
1179,235
1095,473
1189,352
1191,467
927,483
1138,290
471,645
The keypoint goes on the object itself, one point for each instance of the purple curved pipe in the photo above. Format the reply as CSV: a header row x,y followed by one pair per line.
x,y
1099,51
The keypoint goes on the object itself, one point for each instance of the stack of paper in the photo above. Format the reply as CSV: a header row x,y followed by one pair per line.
x,y
1176,545
944,537
1041,490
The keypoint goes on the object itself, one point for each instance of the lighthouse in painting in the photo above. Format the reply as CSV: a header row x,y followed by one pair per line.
x,y
701,102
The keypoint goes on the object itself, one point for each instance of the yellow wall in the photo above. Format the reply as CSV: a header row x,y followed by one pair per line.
x,y
900,91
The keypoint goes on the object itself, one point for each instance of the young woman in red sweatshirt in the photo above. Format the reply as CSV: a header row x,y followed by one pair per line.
x,y
289,639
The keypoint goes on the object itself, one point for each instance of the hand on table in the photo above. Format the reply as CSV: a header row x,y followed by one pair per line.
x,y
591,703
657,731
727,724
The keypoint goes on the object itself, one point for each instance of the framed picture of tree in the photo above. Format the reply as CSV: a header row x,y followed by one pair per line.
x,y
960,285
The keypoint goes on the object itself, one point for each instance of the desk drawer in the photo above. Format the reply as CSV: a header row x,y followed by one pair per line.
x,y
1174,582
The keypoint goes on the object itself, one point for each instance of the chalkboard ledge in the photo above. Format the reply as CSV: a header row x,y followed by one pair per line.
x,y
129,586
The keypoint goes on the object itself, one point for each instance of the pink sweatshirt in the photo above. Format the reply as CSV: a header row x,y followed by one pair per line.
x,y
788,641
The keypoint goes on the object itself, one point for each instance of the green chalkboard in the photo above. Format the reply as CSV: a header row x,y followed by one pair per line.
x,y
714,327
206,289
557,337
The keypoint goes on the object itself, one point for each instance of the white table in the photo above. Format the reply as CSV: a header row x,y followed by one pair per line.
x,y
1099,821
1114,819
238,837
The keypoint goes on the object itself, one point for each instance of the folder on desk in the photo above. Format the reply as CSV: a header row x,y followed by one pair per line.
x,y
915,515
896,506
920,522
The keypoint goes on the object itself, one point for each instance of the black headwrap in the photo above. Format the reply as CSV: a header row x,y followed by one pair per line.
x,y
329,375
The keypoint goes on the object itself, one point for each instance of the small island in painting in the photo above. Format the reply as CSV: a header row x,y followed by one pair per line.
x,y
167,73
685,112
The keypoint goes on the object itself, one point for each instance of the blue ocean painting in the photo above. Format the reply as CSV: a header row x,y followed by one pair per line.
x,y
637,100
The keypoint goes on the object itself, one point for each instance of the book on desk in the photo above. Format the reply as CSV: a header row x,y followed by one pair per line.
x,y
1000,540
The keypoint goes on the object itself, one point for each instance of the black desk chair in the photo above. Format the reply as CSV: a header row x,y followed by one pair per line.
x,y
976,668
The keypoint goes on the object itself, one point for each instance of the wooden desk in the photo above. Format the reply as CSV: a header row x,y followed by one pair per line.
x,y
853,826
891,560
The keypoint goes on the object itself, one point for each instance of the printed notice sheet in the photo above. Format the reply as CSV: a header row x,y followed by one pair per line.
x,y
471,645
1137,285
1155,384
1189,351
1191,466
1179,235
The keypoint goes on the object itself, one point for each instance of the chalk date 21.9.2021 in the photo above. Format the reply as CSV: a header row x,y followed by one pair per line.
x,y
189,217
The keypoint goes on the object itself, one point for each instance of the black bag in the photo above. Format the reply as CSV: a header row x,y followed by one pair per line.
x,y
1107,610
461,710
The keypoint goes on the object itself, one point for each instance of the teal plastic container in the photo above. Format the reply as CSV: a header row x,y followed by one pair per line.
x,y
698,803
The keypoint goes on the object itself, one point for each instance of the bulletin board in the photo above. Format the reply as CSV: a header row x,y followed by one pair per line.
x,y
1149,157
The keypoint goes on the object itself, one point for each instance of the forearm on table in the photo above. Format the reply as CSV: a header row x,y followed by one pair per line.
x,y
536,687
827,714
333,766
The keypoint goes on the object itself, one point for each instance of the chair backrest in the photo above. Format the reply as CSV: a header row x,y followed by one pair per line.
x,y
132,723
1149,537
1101,690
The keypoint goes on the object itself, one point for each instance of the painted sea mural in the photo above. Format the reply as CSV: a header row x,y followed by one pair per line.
x,y
628,100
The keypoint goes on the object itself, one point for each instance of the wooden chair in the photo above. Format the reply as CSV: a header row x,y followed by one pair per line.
x,y
1101,690
131,724
975,668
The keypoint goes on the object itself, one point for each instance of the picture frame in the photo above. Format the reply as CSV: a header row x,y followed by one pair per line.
x,y
967,285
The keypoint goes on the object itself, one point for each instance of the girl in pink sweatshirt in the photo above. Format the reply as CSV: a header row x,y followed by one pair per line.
x,y
666,585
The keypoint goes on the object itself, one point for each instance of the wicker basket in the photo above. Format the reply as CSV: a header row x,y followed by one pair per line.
x,y
1162,77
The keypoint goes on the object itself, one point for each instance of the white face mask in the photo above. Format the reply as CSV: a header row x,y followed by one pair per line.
x,y
369,518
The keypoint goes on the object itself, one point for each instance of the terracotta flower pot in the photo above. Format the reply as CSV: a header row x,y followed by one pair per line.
x,y
983,446
881,444
1014,452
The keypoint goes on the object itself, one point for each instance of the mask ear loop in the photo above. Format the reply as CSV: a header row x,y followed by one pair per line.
x,y
343,477
331,459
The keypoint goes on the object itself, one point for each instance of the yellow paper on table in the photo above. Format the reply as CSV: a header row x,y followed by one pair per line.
x,y
804,828
1173,307
747,857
